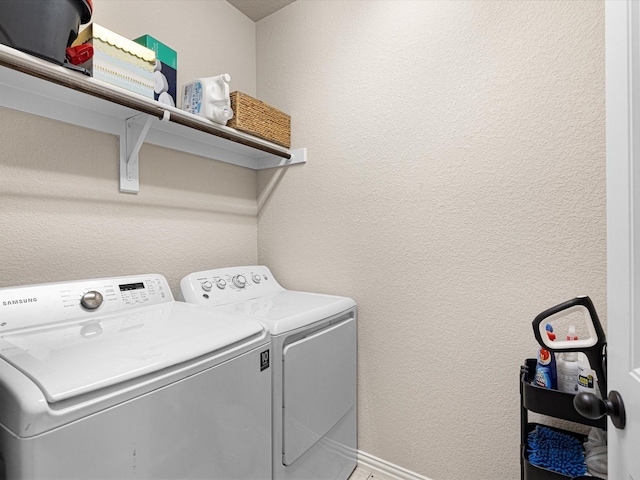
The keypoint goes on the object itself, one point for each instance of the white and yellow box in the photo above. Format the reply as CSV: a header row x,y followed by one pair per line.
x,y
118,60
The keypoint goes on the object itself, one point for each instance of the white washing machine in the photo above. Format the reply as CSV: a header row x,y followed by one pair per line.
x,y
113,379
313,340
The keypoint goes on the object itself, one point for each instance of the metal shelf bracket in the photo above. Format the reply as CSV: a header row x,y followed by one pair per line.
x,y
129,164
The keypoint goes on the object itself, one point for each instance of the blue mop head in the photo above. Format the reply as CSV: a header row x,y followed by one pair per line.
x,y
556,451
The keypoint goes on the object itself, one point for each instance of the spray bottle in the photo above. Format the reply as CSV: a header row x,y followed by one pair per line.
x,y
546,370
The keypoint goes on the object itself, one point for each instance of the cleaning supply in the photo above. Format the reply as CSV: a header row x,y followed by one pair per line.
x,y
165,72
209,98
591,349
546,370
546,374
556,451
587,377
567,366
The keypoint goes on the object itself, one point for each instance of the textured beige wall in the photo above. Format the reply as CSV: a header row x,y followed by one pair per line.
x,y
61,213
455,188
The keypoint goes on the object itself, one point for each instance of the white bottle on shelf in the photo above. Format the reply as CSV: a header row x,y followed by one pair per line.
x,y
209,98
568,368
587,378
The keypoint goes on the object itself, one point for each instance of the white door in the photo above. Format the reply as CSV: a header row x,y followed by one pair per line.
x,y
623,229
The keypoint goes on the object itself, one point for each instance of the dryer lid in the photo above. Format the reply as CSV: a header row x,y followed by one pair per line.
x,y
73,358
288,310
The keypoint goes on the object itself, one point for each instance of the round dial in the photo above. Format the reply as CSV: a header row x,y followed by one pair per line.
x,y
206,286
220,283
91,300
239,281
256,278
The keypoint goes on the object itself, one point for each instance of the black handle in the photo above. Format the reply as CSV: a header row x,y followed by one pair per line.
x,y
583,301
590,406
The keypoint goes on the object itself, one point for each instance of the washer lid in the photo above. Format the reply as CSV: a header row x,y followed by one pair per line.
x,y
74,358
287,310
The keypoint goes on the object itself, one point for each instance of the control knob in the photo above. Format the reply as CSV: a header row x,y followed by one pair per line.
x,y
220,283
239,281
206,286
91,300
256,278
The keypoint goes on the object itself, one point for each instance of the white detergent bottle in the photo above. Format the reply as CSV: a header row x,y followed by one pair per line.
x,y
209,98
587,378
568,368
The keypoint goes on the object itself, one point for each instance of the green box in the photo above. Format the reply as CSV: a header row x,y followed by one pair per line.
x,y
166,70
166,55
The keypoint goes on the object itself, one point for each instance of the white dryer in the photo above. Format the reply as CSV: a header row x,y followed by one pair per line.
x,y
314,366
113,379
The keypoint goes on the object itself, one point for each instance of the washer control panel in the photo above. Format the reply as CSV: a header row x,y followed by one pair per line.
x,y
232,281
91,300
233,284
34,305
239,281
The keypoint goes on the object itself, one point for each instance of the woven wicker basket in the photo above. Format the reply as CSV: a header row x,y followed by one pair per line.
x,y
259,119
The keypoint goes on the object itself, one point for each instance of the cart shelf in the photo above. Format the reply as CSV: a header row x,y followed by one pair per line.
x,y
548,402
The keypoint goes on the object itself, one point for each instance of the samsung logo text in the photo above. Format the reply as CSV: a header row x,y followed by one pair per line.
x,y
19,301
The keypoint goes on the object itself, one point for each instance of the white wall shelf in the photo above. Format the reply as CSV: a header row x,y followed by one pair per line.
x,y
35,86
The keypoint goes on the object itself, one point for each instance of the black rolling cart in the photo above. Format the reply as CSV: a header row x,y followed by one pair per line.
x,y
552,403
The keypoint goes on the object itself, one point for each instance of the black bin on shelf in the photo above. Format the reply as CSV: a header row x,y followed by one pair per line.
x,y
44,28
552,403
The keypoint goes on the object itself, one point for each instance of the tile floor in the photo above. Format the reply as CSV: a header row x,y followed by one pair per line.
x,y
361,474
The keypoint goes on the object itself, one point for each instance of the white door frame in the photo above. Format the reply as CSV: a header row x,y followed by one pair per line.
x,y
622,29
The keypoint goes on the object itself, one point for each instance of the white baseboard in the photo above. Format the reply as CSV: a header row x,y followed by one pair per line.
x,y
384,470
